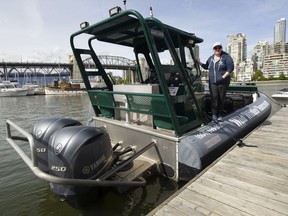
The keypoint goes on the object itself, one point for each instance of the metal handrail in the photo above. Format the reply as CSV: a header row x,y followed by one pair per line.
x,y
32,163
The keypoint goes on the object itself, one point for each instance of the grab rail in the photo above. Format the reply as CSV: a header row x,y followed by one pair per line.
x,y
32,163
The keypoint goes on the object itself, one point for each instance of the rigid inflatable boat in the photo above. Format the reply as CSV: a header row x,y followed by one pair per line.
x,y
157,121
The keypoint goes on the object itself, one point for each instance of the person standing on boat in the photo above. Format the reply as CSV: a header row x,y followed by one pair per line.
x,y
220,66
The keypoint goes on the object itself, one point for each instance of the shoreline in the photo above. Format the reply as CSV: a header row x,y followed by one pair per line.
x,y
265,83
272,82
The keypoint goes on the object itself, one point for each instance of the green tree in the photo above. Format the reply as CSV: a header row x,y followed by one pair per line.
x,y
261,78
282,76
258,75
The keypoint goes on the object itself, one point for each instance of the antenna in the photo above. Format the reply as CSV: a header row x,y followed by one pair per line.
x,y
151,12
124,1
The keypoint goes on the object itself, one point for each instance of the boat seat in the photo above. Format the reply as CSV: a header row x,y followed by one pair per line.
x,y
105,102
161,117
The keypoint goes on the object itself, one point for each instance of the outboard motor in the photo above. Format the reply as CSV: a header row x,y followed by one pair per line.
x,y
42,132
79,152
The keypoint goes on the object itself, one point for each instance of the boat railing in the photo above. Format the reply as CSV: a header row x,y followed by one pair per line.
x,y
242,88
155,105
102,181
126,101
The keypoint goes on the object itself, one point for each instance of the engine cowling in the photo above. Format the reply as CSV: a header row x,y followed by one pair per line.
x,y
42,132
78,152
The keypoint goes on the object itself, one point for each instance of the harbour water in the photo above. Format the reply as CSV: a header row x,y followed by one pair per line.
x,y
24,194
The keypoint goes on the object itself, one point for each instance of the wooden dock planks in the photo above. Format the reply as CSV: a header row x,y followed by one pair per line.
x,y
248,180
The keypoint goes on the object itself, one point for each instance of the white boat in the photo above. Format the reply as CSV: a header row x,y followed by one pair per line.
x,y
32,89
283,93
39,91
281,96
12,89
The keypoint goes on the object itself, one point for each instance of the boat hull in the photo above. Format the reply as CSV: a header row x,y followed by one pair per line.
x,y
181,158
13,93
281,98
202,146
51,91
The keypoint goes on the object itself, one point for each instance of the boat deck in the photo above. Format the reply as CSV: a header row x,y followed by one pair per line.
x,y
248,180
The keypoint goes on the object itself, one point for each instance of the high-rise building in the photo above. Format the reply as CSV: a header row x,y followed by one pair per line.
x,y
245,70
259,52
275,65
237,49
280,31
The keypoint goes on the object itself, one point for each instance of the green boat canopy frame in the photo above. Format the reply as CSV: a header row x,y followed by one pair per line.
x,y
149,37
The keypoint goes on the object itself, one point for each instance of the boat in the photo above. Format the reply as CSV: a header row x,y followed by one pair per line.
x,y
281,96
159,124
12,89
63,89
60,91
39,90
33,89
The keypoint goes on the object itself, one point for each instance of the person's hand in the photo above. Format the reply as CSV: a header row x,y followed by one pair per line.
x,y
220,81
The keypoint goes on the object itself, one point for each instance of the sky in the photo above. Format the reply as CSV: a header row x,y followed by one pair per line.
x,y
39,30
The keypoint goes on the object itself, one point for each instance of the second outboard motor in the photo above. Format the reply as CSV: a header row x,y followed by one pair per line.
x,y
42,132
79,152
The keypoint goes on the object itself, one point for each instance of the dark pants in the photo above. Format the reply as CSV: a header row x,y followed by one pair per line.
x,y
218,93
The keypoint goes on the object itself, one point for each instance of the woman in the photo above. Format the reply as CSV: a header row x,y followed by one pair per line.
x,y
220,66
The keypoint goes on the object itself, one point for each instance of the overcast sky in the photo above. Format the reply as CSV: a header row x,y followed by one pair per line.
x,y
39,30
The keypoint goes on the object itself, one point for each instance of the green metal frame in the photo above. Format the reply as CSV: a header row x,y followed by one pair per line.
x,y
122,29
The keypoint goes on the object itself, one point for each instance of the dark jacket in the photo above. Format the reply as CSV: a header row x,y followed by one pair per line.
x,y
216,71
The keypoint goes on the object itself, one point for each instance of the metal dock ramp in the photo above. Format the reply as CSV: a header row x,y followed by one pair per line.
x,y
251,180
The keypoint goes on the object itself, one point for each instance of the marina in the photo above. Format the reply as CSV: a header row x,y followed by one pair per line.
x,y
247,180
155,126
139,201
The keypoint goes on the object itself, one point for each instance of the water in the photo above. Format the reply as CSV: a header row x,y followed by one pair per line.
x,y
22,193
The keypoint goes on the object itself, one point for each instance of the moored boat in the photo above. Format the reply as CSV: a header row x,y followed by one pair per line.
x,y
281,96
12,89
158,123
59,91
63,89
32,89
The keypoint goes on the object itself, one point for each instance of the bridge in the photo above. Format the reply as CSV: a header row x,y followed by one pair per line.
x,y
112,62
22,69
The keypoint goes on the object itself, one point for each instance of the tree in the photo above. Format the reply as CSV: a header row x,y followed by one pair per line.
x,y
282,76
258,75
261,78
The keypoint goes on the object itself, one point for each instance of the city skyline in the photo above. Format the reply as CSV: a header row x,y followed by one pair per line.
x,y
40,30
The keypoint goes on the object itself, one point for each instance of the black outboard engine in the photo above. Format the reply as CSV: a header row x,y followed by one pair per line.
x,y
42,132
79,152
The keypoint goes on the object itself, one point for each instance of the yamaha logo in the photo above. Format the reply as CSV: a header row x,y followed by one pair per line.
x,y
86,170
58,148
92,167
39,134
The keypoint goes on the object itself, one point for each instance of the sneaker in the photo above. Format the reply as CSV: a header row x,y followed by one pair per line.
x,y
220,119
214,118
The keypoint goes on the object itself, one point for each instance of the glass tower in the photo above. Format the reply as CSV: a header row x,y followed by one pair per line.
x,y
280,31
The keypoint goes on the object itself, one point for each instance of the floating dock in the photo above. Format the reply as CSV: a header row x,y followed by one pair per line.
x,y
247,180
